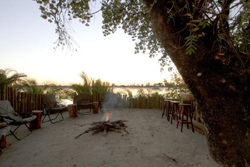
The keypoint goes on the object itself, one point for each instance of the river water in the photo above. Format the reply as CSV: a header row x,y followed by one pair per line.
x,y
146,90
133,90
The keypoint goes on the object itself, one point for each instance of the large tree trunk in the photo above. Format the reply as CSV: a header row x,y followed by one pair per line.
x,y
221,90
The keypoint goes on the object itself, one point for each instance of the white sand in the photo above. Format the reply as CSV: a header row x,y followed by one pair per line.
x,y
151,143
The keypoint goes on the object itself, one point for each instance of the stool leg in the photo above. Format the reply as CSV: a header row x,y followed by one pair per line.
x,y
177,111
187,115
179,117
164,107
182,118
172,115
191,117
168,110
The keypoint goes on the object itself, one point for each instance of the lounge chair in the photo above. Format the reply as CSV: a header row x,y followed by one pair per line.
x,y
84,100
50,107
8,114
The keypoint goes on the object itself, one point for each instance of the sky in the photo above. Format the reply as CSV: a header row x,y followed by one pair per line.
x,y
27,45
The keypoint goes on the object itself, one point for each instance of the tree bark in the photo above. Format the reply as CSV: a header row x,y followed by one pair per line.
x,y
220,88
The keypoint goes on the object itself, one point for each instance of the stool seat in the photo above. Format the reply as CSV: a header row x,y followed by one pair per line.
x,y
182,104
185,116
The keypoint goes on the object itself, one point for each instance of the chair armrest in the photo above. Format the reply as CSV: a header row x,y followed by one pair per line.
x,y
46,106
7,119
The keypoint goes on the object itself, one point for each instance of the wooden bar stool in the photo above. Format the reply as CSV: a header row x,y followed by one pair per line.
x,y
185,116
166,108
174,108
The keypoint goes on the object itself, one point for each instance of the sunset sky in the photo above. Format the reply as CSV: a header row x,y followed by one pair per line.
x,y
27,42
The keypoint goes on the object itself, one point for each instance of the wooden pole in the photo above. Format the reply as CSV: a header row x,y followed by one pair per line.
x,y
75,99
36,124
40,102
15,100
9,94
95,107
3,142
18,101
3,90
23,102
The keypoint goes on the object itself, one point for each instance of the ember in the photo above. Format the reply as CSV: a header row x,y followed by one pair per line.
x,y
105,127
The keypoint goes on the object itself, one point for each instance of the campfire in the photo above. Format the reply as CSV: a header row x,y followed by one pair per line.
x,y
106,126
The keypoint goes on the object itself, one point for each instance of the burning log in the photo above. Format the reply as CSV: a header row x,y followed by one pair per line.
x,y
105,127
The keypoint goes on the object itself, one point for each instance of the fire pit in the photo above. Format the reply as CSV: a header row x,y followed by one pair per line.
x,y
106,126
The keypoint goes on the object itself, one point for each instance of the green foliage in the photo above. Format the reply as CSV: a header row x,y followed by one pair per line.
x,y
240,30
31,86
100,87
147,93
130,95
60,12
10,76
191,18
191,45
91,85
175,86
131,16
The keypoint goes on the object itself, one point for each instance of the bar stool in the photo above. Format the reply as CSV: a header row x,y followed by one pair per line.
x,y
185,110
174,108
166,108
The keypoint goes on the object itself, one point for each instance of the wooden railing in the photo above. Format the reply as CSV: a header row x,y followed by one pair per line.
x,y
21,102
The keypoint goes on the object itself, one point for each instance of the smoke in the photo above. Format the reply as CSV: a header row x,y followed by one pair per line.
x,y
110,103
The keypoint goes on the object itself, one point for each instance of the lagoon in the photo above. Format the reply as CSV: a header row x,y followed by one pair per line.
x,y
133,89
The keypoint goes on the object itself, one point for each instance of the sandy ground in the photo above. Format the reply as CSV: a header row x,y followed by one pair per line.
x,y
152,142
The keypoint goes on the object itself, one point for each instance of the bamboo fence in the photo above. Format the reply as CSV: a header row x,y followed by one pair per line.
x,y
21,102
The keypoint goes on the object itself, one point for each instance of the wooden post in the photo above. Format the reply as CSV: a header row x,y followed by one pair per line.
x,y
95,107
125,101
23,102
11,94
18,101
3,90
150,102
40,103
36,124
3,142
75,99
139,102
28,111
129,102
72,110
162,99
143,102
15,100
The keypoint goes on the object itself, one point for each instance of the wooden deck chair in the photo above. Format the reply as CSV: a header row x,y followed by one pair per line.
x,y
8,114
84,100
50,107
